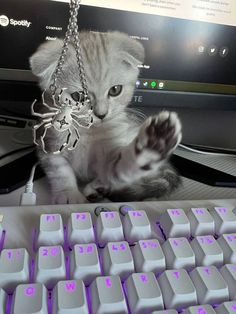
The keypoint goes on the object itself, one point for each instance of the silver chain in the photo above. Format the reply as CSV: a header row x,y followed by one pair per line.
x,y
72,34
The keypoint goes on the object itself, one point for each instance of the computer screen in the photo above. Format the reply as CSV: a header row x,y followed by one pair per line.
x,y
190,46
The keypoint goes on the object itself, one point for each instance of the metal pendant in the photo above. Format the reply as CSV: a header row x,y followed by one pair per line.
x,y
64,115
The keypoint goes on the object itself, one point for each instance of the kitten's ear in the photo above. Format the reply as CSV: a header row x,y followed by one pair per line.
x,y
131,50
44,61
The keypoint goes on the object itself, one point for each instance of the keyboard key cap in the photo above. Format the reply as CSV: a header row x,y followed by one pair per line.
x,y
227,243
117,259
3,300
207,251
14,268
175,223
51,230
201,222
229,274
50,265
210,285
30,298
177,289
148,256
85,263
165,312
225,220
70,297
124,209
109,228
80,229
226,308
200,309
136,226
178,253
143,293
108,296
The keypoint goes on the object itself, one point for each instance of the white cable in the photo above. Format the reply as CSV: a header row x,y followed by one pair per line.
x,y
29,197
204,152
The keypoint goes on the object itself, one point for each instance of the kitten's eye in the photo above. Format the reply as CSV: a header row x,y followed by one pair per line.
x,y
77,96
115,90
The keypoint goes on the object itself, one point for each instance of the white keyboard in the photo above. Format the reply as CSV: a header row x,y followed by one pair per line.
x,y
142,258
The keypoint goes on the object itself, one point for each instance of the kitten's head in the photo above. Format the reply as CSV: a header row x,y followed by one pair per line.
x,y
111,66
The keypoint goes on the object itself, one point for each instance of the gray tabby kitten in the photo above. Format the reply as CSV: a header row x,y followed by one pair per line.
x,y
120,157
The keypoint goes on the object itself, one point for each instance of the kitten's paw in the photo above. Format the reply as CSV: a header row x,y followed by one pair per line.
x,y
95,191
158,138
68,197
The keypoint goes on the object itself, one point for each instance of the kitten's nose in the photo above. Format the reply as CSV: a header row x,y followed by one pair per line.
x,y
101,116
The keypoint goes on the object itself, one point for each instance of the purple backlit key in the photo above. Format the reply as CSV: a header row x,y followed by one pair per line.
x,y
84,263
227,243
207,251
177,289
109,228
3,299
143,293
165,312
117,259
226,308
107,296
50,265
51,230
80,229
14,268
225,220
210,285
136,226
175,223
201,222
148,256
200,309
178,253
229,273
30,298
69,297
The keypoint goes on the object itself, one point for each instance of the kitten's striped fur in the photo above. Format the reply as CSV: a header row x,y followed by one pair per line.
x,y
119,157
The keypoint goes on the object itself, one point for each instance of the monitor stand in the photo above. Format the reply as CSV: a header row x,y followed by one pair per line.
x,y
202,173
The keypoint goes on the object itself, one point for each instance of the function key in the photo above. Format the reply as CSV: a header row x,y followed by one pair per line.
x,y
124,209
108,296
225,220
51,230
70,297
109,228
143,293
175,223
30,298
201,222
136,226
85,263
80,229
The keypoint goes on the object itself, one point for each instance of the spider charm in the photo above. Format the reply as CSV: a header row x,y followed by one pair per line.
x,y
63,114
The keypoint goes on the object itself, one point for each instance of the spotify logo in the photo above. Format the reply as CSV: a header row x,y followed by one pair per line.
x,y
4,20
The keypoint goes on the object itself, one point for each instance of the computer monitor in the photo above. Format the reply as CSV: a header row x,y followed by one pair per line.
x,y
190,64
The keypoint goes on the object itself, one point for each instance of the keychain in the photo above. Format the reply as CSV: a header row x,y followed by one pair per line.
x,y
64,114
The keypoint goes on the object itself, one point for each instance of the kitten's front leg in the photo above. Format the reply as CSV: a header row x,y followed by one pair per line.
x,y
62,180
157,139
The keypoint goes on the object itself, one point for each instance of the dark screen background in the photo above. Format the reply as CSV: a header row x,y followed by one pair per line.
x,y
171,50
